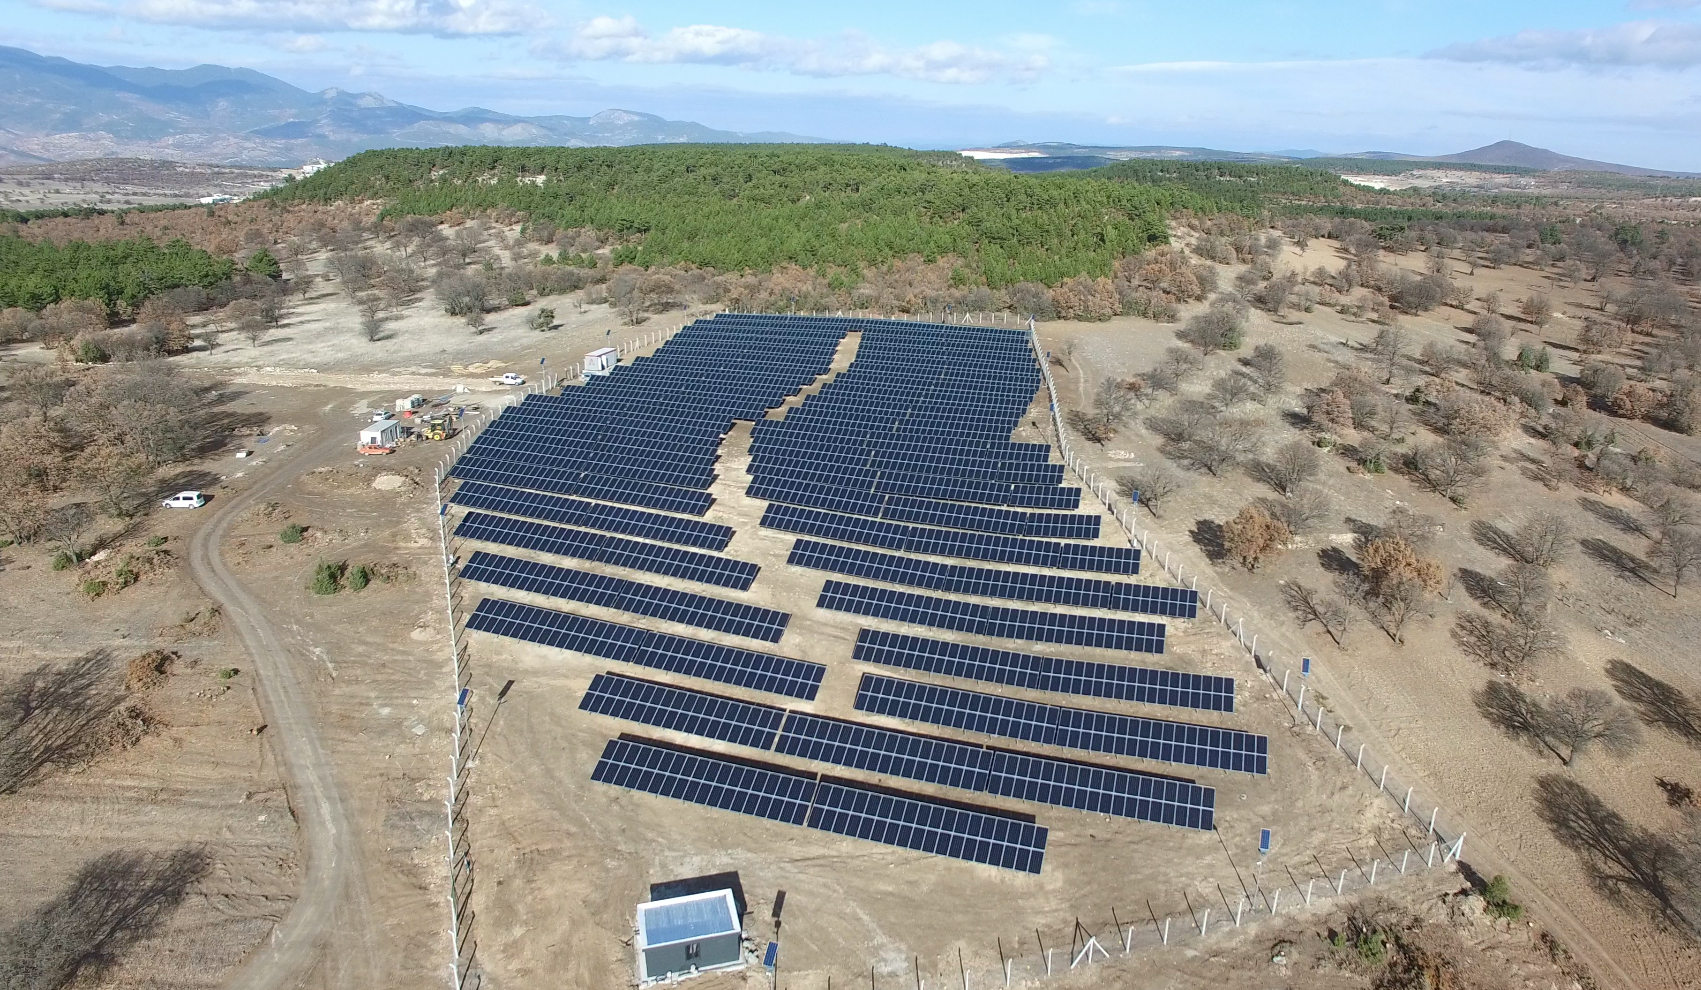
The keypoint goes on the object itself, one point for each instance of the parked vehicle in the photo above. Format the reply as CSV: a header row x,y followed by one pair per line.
x,y
185,500
509,378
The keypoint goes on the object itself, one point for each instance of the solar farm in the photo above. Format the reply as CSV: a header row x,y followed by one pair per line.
x,y
813,600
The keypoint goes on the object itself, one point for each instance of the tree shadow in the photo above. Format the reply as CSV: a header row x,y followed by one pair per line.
x,y
1207,534
1624,562
1513,712
1363,530
1494,539
1337,561
113,903
1657,703
53,717
1629,865
1613,516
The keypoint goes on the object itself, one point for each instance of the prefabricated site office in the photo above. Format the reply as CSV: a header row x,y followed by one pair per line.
x,y
695,932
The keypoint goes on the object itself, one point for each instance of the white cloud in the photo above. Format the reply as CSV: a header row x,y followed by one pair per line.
x,y
1660,44
851,54
304,43
442,17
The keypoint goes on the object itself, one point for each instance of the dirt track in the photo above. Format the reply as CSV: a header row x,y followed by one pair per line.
x,y
332,895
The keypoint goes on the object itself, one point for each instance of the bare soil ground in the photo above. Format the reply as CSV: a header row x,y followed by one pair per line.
x,y
1417,695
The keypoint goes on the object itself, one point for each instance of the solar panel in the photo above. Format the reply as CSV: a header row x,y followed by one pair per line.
x,y
949,543
882,751
718,783
929,826
1147,685
646,648
682,710
1071,728
592,515
1056,589
777,795
718,614
529,534
1101,790
992,620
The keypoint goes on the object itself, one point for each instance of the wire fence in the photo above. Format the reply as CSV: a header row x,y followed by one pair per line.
x,y
1332,730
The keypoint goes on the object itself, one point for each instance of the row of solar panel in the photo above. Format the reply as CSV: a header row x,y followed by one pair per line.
x,y
735,618
930,512
969,766
592,515
949,543
774,431
566,430
876,465
777,795
528,534
921,486
893,450
515,474
961,579
1071,728
1088,678
994,621
647,648
659,470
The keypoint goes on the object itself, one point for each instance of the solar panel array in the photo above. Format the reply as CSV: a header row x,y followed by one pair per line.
x,y
1026,670
960,579
529,534
646,648
969,766
1072,728
681,710
593,515
648,433
657,602
950,543
993,620
926,511
778,795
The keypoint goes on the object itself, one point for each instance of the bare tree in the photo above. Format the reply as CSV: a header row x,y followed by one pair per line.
x,y
1268,368
1449,470
254,328
1302,511
1657,703
1512,647
64,527
1541,542
1680,552
1292,465
1584,718
39,386
1111,402
1153,485
1390,345
476,321
1230,390
1310,605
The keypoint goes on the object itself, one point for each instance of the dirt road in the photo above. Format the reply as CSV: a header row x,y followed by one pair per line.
x,y
332,901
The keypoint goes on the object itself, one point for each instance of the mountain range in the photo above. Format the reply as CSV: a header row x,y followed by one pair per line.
x,y
53,109
1023,156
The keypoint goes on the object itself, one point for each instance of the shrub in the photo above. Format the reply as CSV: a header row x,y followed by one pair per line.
x,y
1372,948
156,541
292,533
359,577
93,588
227,673
64,559
328,577
1498,893
126,574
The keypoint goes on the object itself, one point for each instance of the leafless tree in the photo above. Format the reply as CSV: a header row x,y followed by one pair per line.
x,y
254,328
1511,646
1680,552
1292,465
1302,511
65,526
1584,718
38,386
1657,703
1230,390
1541,542
1154,485
1449,470
1309,605
1268,368
1390,345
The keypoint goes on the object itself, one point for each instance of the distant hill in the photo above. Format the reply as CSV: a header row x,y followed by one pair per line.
x,y
53,109
1055,156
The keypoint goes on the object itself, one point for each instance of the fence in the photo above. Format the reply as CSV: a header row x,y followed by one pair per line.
x,y
1216,605
462,947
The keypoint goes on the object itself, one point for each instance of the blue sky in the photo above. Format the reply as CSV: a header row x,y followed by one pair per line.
x,y
1619,81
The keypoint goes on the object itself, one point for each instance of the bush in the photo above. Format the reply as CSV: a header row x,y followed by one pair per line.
x,y
156,541
93,588
1498,894
227,673
126,574
64,559
328,577
292,533
359,578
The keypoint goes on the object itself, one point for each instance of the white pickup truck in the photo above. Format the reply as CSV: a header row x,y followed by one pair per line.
x,y
509,378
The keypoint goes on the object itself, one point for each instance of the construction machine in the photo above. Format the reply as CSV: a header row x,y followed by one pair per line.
x,y
437,426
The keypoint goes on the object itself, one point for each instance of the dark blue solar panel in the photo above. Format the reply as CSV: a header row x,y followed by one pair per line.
x,y
645,648
1072,728
718,614
529,534
1082,677
682,710
950,543
929,826
992,620
592,515
703,779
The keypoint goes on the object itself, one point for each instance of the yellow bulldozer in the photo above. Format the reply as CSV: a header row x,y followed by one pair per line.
x,y
438,426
